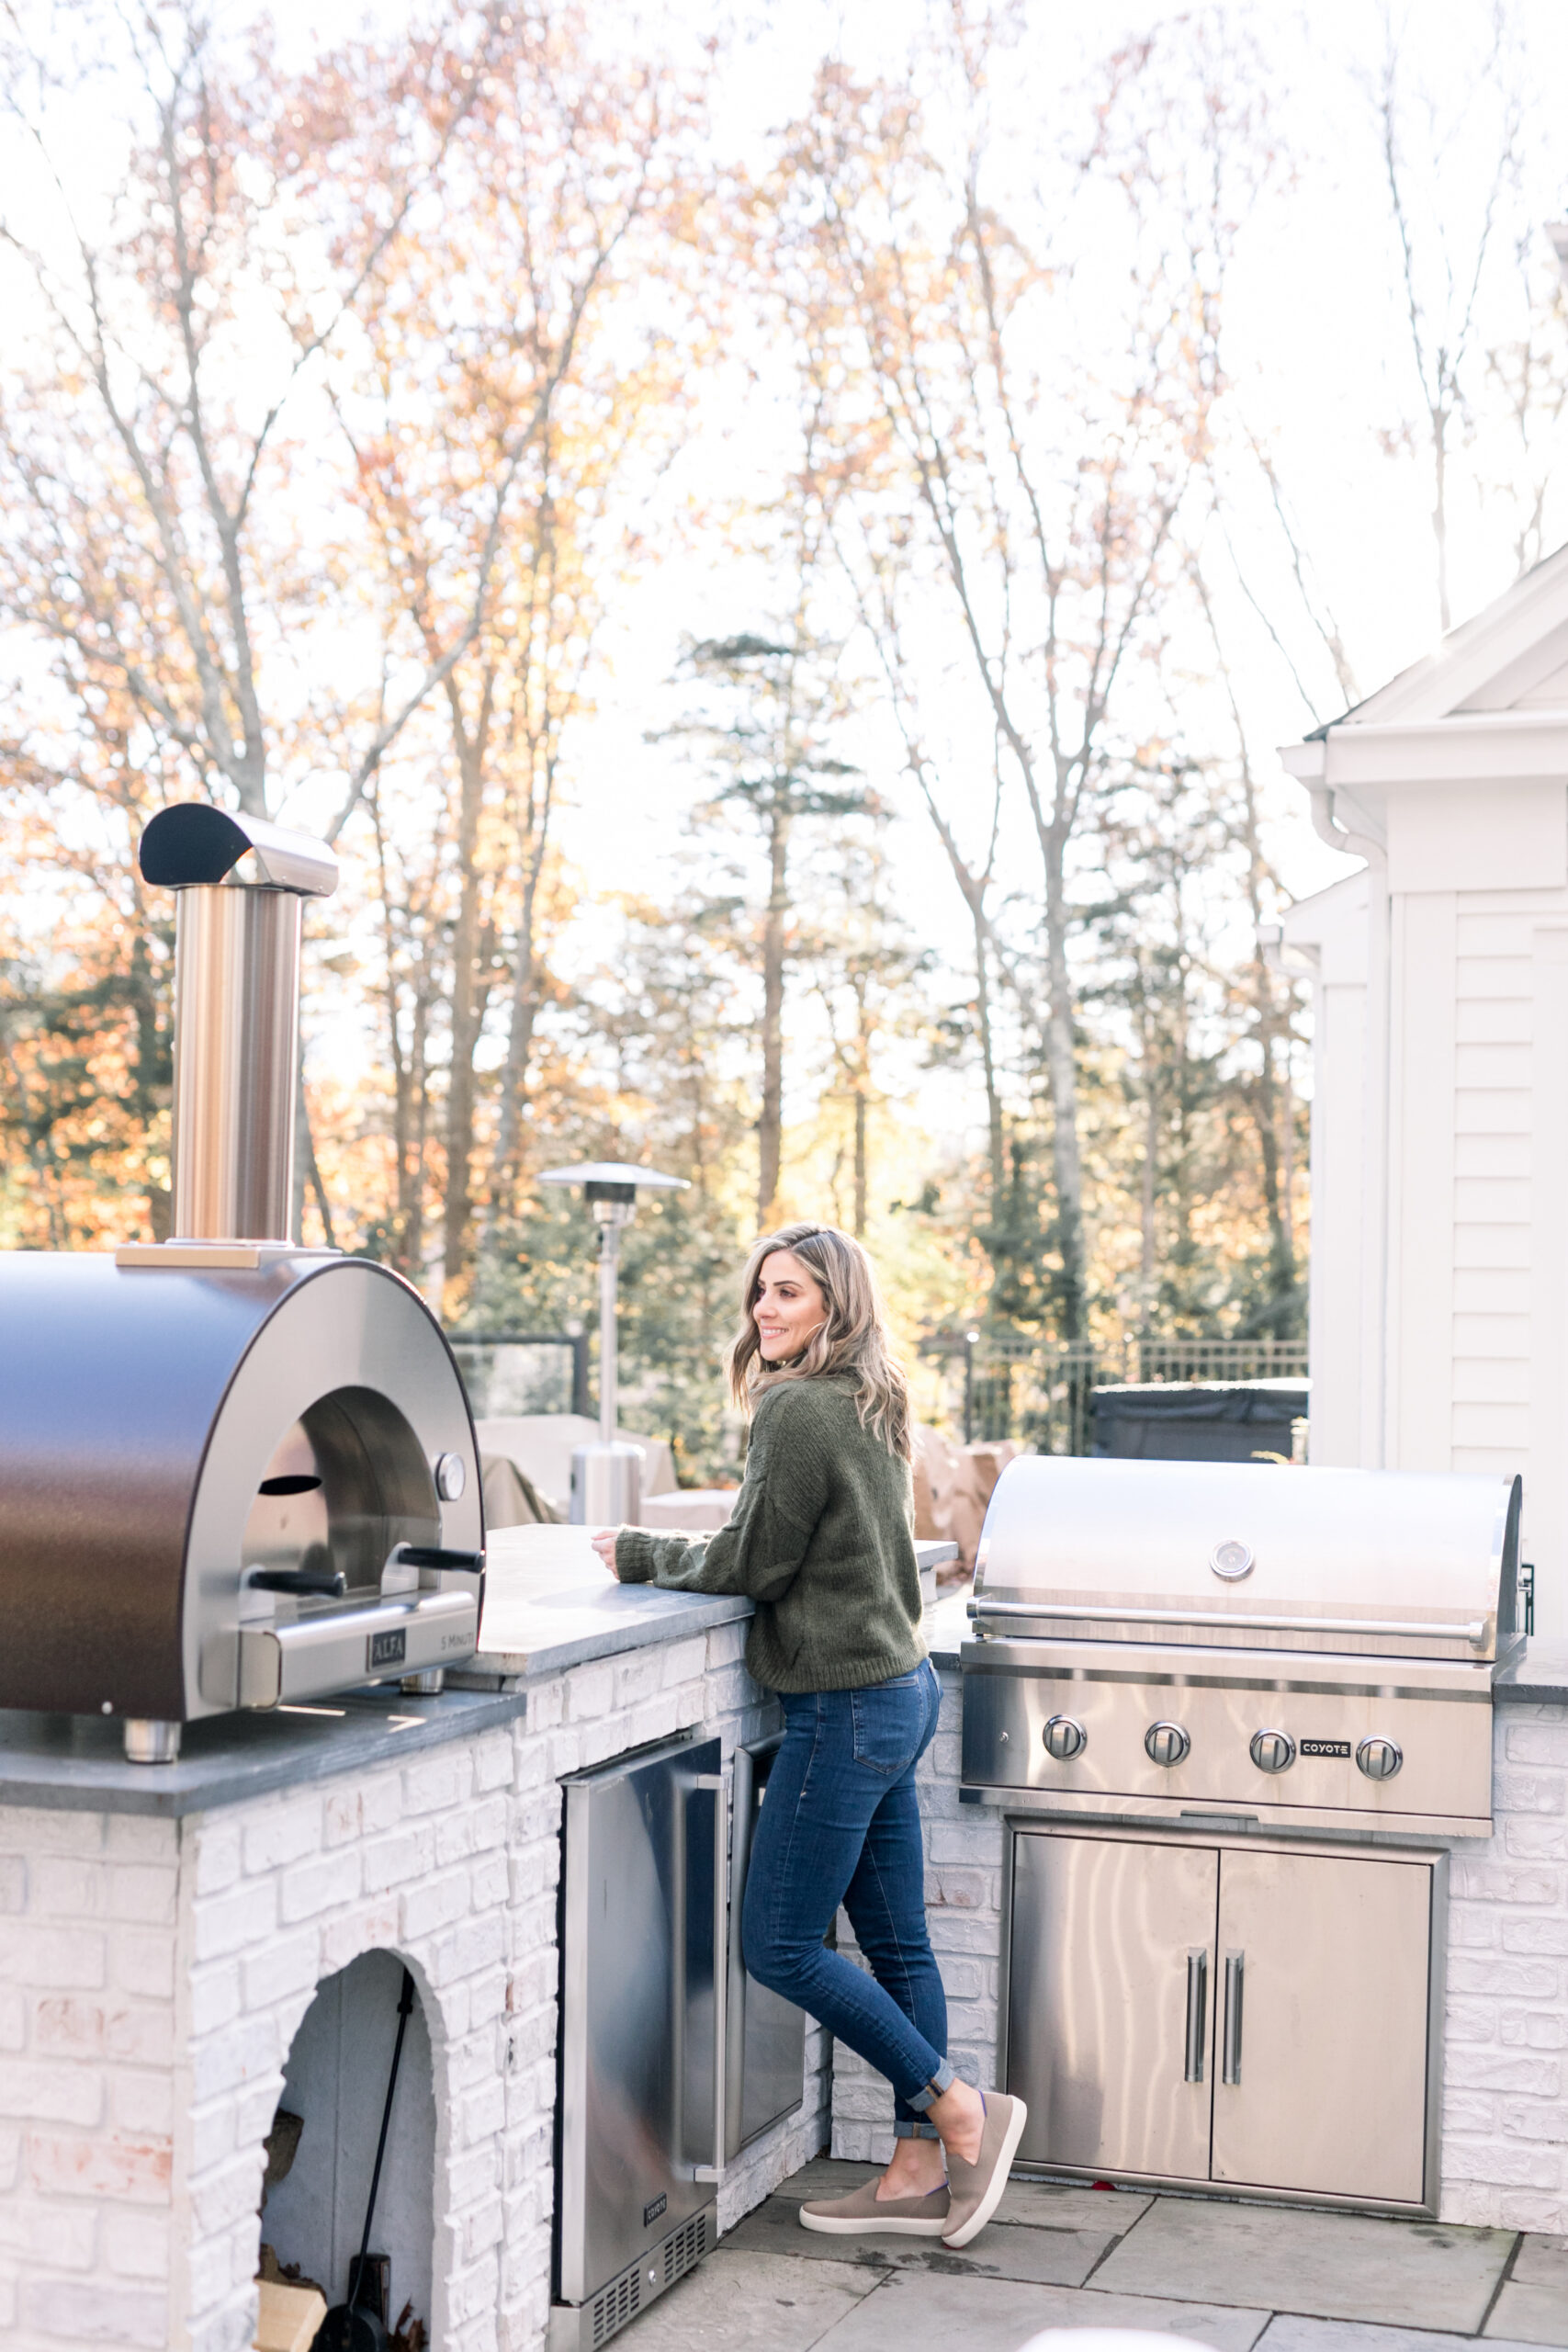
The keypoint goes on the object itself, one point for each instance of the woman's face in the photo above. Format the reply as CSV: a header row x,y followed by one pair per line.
x,y
789,1306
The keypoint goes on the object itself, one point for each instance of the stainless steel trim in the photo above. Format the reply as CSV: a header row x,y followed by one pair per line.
x,y
212,1257
1182,1667
1108,1808
1476,1631
1437,2015
1180,2185
715,1785
332,1649
764,2034
1197,2012
1236,1977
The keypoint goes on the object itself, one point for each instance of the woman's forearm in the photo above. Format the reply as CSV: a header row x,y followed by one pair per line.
x,y
680,1562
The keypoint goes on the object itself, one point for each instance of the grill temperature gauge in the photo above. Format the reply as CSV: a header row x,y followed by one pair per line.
x,y
1167,1743
1380,1758
1064,1738
1273,1751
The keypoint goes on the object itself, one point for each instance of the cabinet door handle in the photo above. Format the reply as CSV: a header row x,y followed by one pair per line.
x,y
1197,2012
716,1784
1235,1968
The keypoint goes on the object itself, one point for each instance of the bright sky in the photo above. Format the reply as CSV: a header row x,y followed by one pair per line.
x,y
1318,357
1317,349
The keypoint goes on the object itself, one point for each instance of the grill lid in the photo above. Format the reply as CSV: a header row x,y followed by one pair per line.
x,y
1386,1562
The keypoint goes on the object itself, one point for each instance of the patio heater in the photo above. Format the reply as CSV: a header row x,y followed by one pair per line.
x,y
606,1477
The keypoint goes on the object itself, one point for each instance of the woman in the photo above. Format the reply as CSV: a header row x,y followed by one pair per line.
x,y
820,1540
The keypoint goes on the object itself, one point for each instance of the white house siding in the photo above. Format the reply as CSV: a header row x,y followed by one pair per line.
x,y
1326,936
1440,1213
1494,1172
1422,1071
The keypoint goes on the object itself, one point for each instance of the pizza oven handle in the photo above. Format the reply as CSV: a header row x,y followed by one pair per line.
x,y
431,1555
311,1581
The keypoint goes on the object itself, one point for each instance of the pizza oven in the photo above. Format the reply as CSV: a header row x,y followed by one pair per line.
x,y
234,1472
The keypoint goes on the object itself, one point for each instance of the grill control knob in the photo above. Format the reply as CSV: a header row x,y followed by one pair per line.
x,y
1064,1738
1380,1758
1167,1743
1274,1751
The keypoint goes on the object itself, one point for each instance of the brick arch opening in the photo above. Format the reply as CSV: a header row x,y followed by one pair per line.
x,y
334,2080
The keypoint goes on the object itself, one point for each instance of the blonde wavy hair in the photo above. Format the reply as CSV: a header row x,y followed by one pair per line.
x,y
851,1341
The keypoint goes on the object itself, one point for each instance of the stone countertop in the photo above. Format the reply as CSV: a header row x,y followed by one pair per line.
x,y
946,1626
76,1763
550,1603
1537,1677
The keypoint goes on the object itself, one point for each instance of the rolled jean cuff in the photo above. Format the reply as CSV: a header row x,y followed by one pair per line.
x,y
915,2128
940,2081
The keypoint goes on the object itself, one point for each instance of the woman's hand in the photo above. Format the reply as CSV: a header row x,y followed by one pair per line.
x,y
605,1546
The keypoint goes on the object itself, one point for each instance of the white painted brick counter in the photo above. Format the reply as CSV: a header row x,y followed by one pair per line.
x,y
153,1974
1505,2126
1506,2105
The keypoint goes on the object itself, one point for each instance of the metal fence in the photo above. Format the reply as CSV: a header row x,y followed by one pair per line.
x,y
1039,1391
523,1371
987,1383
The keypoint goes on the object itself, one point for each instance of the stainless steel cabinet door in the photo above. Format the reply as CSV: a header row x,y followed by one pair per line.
x,y
637,1984
1323,1976
1110,2002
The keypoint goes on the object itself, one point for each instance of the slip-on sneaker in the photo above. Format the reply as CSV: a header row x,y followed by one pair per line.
x,y
862,2209
975,2191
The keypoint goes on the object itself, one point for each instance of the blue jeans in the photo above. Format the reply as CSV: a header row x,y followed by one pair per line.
x,y
841,1823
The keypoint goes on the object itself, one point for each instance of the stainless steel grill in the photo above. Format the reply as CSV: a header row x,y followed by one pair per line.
x,y
1230,1714
1307,1648
233,1473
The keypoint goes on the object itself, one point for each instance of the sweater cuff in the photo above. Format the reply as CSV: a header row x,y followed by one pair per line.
x,y
634,1556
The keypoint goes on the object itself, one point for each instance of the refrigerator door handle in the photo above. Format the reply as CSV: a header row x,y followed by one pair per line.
x,y
715,1785
1197,2012
1236,1968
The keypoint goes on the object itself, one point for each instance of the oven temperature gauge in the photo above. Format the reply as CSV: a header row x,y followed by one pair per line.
x,y
1064,1738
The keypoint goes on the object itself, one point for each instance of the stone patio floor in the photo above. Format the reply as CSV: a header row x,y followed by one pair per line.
x,y
1282,2278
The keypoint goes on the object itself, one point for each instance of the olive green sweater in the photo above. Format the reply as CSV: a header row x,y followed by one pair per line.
x,y
821,1539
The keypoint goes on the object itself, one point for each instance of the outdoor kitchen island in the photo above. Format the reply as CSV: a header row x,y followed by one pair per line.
x,y
166,1931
